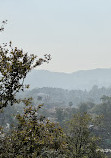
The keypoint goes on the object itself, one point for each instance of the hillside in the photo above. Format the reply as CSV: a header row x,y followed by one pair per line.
x,y
84,79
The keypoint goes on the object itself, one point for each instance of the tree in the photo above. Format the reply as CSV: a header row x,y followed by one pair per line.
x,y
34,137
14,67
60,114
105,130
83,108
81,142
70,104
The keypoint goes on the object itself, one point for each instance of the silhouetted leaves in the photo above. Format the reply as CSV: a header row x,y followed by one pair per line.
x,y
14,67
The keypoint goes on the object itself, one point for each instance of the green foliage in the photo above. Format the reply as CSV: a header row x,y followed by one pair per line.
x,y
83,108
34,136
14,66
64,114
81,142
59,115
105,130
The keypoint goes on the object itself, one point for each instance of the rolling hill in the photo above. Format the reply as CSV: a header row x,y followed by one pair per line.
x,y
84,79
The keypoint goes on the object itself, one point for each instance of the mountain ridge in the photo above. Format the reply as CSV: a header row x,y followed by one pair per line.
x,y
82,79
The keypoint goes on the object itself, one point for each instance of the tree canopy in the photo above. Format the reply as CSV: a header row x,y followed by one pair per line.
x,y
81,141
14,67
34,136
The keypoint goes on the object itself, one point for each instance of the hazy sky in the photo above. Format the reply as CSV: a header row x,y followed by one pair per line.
x,y
77,33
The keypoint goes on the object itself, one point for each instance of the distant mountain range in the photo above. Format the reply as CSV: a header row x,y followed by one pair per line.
x,y
84,79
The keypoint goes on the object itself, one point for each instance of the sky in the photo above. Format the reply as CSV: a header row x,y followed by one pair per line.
x,y
77,33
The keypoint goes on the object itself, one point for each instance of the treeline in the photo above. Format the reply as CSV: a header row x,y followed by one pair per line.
x,y
82,130
36,136
62,97
102,111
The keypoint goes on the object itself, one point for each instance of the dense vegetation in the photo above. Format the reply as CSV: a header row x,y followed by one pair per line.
x,y
31,129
